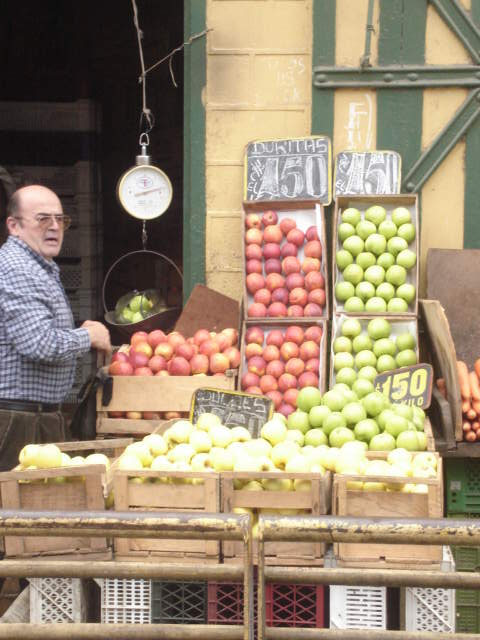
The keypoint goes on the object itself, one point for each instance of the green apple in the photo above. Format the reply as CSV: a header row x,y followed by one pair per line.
x,y
137,316
365,430
406,358
384,346
351,327
353,273
307,398
385,260
343,259
374,403
375,274
354,305
127,315
342,343
333,421
365,259
383,416
365,228
339,436
388,229
295,435
342,359
407,232
397,305
334,400
375,305
395,425
376,243
140,303
298,420
362,387
422,441
385,290
386,363
344,290
379,328
407,258
403,410
365,358
315,437
362,342
405,341
346,375
407,292
409,440
353,412
364,290
351,215
345,391
396,275
382,442
317,415
396,244
375,214
401,215
345,230
370,373
354,245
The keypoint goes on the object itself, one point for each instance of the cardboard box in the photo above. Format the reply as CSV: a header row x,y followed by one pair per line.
x,y
362,203
306,214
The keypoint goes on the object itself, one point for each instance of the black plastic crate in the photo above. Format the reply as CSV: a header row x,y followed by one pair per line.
x,y
179,602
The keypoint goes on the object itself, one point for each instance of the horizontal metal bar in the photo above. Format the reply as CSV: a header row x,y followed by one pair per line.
x,y
126,524
396,77
377,530
95,631
296,633
373,577
85,568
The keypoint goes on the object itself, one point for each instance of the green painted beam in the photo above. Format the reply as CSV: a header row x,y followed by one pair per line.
x,y
471,223
444,142
194,148
399,111
323,54
395,77
458,20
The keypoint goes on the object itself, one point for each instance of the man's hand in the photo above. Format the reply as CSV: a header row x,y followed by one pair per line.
x,y
99,335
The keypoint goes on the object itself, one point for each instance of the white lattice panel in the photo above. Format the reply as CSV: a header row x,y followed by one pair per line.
x,y
57,600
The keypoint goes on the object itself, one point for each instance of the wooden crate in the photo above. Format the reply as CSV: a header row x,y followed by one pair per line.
x,y
155,393
167,497
315,502
381,504
85,489
410,201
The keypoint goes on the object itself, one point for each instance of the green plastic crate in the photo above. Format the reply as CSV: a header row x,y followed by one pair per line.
x,y
463,485
467,611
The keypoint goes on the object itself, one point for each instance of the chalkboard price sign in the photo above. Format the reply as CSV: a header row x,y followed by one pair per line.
x,y
235,408
367,173
408,385
289,169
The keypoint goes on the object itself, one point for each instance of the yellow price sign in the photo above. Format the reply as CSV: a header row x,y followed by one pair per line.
x,y
408,385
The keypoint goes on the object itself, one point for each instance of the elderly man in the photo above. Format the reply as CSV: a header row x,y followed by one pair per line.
x,y
39,344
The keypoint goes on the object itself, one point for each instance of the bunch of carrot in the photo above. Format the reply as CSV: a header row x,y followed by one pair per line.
x,y
470,393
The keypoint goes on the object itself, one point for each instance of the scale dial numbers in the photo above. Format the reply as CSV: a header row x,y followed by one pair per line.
x,y
145,192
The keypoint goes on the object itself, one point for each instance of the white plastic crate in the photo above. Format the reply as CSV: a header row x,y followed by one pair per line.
x,y
81,178
428,609
57,600
82,274
82,242
84,304
82,115
358,607
125,600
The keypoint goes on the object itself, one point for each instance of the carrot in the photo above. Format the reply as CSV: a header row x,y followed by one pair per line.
x,y
471,414
474,385
464,380
466,406
476,366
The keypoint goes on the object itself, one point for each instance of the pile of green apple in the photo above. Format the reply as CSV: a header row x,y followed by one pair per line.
x,y
394,473
138,307
364,348
376,253
49,456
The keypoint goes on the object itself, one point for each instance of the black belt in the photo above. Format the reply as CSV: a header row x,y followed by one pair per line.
x,y
29,406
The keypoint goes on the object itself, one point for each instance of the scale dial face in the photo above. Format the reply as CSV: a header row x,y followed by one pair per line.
x,y
145,192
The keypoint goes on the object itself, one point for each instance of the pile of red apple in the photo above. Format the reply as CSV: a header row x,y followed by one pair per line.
x,y
172,354
279,362
283,268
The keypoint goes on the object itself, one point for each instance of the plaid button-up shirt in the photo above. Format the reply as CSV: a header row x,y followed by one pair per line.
x,y
39,345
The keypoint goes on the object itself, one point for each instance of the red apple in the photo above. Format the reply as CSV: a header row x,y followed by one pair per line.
x,y
275,337
119,368
271,352
269,217
138,336
296,236
233,355
253,252
317,296
116,414
313,249
295,366
254,266
307,379
298,296
119,356
222,340
254,236
133,415
287,224
290,396
280,295
256,364
312,233
254,334
291,265
254,282
276,397
274,281
312,310
219,363
273,265
209,347
276,310
199,363
295,334
253,221
285,409
249,379
200,335
156,337
142,347
232,335
314,280
185,350
150,415
257,310
157,363
272,233
164,349
253,349
294,280
315,333
309,349
288,249
262,295
313,365
175,338
289,350
142,371
275,368
287,381
179,366
254,389
311,264
295,311
138,359
271,250
268,383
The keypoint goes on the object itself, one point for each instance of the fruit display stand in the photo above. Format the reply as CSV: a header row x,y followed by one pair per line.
x,y
373,241
314,498
193,492
74,488
278,266
354,502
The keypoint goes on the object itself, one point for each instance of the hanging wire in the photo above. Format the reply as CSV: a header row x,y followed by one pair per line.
x,y
146,117
365,59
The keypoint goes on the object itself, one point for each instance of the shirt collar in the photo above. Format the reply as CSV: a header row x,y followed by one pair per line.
x,y
50,265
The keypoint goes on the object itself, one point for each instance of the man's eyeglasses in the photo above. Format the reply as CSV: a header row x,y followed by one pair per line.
x,y
44,220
